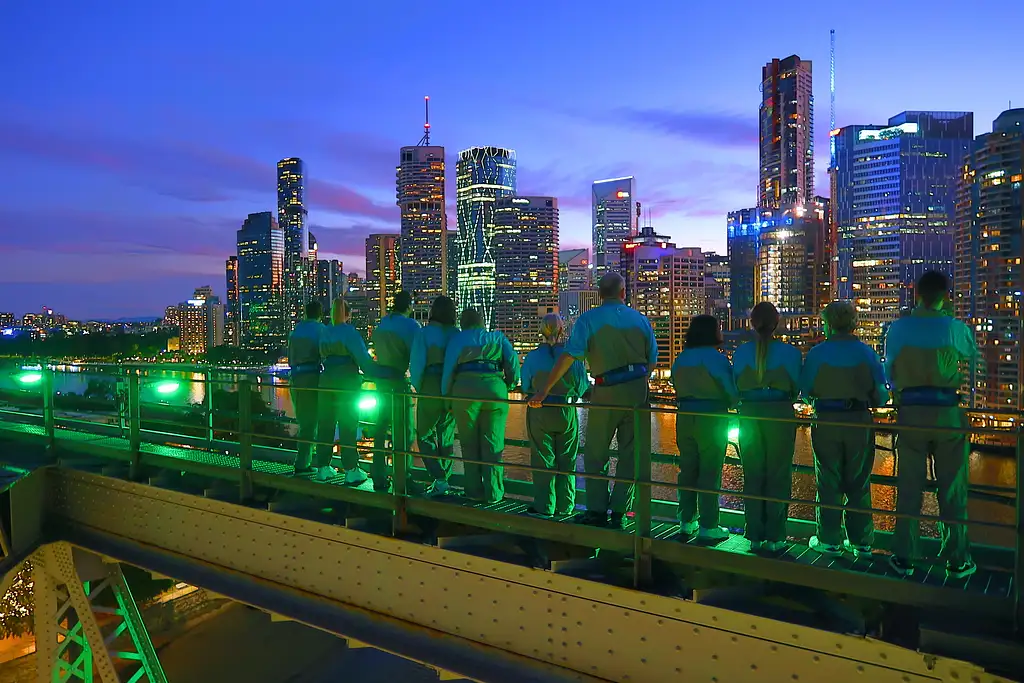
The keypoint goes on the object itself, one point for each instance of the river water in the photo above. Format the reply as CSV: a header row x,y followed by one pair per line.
x,y
985,468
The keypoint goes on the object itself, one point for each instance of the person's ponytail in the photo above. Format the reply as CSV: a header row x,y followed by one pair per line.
x,y
764,319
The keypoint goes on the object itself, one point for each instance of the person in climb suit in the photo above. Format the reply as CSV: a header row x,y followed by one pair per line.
x,y
923,353
435,425
480,365
767,373
619,345
703,381
843,378
304,380
343,354
392,345
554,428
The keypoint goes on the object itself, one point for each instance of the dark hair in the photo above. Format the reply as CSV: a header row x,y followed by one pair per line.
x,y
403,302
704,330
471,318
611,285
443,311
932,286
764,318
314,311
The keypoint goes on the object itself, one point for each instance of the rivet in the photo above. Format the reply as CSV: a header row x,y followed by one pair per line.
x,y
753,667
860,669
715,657
696,630
816,658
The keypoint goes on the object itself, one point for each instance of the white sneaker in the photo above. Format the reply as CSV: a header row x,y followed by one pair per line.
x,y
776,546
824,548
688,528
439,488
718,533
354,476
326,473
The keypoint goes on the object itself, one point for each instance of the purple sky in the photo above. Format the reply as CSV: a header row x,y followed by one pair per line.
x,y
136,137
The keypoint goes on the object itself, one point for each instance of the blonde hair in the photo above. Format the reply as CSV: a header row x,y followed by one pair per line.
x,y
764,318
339,311
552,328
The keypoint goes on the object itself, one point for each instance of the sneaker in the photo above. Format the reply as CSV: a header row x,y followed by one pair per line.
x,y
718,533
618,520
591,518
304,471
326,473
757,546
688,528
960,571
439,488
857,550
901,566
824,548
776,546
533,512
355,476
383,486
568,512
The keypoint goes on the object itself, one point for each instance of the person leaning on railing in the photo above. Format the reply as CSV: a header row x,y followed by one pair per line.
x,y
480,365
435,425
923,353
343,354
392,345
767,373
554,428
618,344
303,381
843,378
703,382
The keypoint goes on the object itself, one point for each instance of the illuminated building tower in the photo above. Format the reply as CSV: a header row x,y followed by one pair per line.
x,y
717,278
483,175
330,283
575,271
291,216
789,252
357,299
261,319
573,303
614,222
786,133
452,266
6,320
424,246
231,310
895,209
200,321
666,284
526,267
987,275
382,281
743,232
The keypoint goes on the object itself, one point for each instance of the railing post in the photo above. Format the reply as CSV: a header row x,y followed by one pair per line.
x,y
1018,569
134,423
208,396
642,571
245,438
399,459
49,422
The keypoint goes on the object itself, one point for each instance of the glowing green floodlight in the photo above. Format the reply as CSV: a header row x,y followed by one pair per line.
x,y
30,377
734,434
368,402
167,387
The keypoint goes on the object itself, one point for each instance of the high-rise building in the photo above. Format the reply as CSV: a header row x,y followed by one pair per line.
x,y
382,281
573,303
790,254
988,280
424,245
291,216
786,134
614,221
483,175
330,283
666,284
743,233
716,287
357,299
231,309
526,267
200,321
575,271
6,320
452,266
261,315
895,209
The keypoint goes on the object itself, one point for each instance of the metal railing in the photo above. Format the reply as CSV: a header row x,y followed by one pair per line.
x,y
252,453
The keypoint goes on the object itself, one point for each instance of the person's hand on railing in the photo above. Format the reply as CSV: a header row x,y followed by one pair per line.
x,y
537,400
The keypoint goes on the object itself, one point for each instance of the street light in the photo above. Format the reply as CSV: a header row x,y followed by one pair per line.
x,y
167,387
367,403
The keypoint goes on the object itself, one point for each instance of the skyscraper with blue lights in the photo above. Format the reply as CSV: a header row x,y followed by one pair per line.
x,y
743,233
261,315
895,208
483,175
614,221
291,216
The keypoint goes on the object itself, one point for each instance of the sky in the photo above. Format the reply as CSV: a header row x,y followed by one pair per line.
x,y
135,137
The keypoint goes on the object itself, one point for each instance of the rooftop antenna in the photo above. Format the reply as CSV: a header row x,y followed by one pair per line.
x,y
832,98
425,140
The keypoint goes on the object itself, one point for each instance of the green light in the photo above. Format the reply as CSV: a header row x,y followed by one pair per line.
x,y
167,387
30,378
367,403
734,434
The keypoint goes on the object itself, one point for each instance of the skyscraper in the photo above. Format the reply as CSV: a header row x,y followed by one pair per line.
x,y
988,280
452,266
717,287
790,251
424,246
743,234
575,270
666,284
786,132
261,316
526,267
614,222
330,283
382,281
895,208
483,175
231,310
291,216
357,299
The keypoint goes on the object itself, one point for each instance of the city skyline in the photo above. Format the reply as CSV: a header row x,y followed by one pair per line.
x,y
147,166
